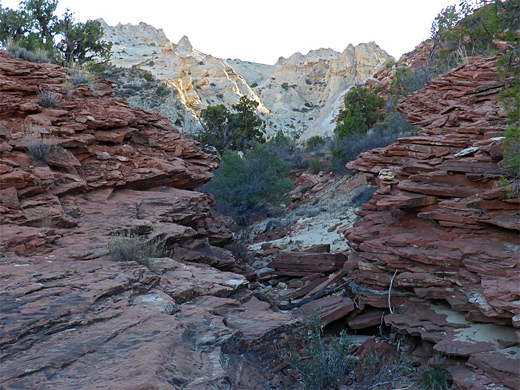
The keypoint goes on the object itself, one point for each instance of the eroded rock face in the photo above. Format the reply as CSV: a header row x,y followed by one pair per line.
x,y
443,229
300,96
71,316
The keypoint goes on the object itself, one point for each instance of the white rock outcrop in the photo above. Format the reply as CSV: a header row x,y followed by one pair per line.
x,y
300,95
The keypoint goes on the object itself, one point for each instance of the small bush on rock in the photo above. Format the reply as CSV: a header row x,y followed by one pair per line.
x,y
80,77
147,76
40,149
314,142
315,165
37,55
49,99
132,247
325,365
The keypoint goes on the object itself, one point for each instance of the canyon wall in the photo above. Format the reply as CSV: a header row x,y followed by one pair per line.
x,y
439,239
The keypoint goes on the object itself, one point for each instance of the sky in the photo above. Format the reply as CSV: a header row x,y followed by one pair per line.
x,y
263,30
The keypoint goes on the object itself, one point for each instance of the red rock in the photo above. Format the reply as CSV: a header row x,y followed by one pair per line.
x,y
445,226
304,263
73,318
367,319
330,308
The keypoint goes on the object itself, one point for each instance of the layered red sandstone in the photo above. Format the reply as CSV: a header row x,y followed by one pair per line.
x,y
72,317
442,229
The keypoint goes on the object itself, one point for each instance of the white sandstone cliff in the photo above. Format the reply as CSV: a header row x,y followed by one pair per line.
x,y
300,95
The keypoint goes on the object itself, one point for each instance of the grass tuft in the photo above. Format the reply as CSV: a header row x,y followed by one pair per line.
x,y
132,247
435,379
49,99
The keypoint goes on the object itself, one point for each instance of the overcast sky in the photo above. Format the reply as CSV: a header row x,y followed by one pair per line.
x,y
263,30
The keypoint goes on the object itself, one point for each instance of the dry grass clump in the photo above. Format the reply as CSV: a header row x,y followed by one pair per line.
x,y
40,147
14,49
48,99
133,247
79,76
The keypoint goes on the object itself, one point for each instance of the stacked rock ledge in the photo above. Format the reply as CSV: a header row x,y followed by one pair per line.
x,y
443,230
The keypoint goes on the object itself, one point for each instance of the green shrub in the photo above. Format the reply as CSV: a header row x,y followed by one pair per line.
x,y
254,85
435,379
467,30
162,90
48,99
363,109
315,165
98,69
147,76
407,81
250,185
389,63
510,65
381,135
132,247
286,149
314,142
326,365
237,130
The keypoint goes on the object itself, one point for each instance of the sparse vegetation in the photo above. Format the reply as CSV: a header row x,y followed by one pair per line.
x,y
469,28
315,165
132,247
314,142
407,81
48,99
162,90
327,363
435,379
78,77
147,76
14,49
389,63
381,135
286,149
40,148
511,99
67,87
